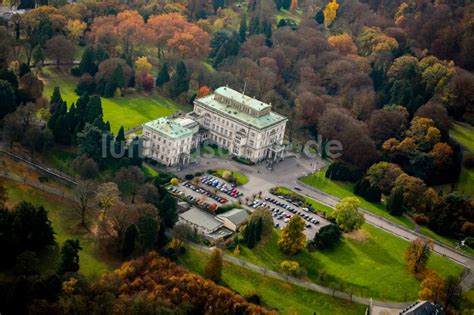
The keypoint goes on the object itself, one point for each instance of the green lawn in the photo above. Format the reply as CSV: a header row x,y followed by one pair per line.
x,y
464,134
64,222
465,183
239,177
61,159
286,14
149,171
284,297
343,189
129,111
367,263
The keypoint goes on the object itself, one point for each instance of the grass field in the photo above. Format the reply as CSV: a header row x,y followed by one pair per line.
x,y
129,111
286,298
465,182
285,14
61,158
239,177
464,134
149,171
64,222
343,189
367,263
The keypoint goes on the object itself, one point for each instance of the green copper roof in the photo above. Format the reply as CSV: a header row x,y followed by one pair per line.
x,y
169,128
242,98
261,122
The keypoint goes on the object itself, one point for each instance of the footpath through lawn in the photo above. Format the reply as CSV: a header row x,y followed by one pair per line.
x,y
275,294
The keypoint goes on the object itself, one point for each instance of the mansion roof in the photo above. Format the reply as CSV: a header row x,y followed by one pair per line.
x,y
169,128
235,105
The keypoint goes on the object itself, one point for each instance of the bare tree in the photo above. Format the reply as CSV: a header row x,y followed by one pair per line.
x,y
84,193
129,179
60,49
107,195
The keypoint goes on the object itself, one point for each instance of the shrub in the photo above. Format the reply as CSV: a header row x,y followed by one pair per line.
x,y
326,238
292,268
198,174
86,84
469,161
76,72
343,172
254,298
188,176
146,82
468,228
226,175
372,194
242,160
421,219
395,202
163,178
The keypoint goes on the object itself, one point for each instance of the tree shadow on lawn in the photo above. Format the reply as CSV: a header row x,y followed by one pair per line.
x,y
374,251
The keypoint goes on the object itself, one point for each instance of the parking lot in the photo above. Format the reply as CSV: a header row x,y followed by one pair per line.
x,y
283,210
210,190
213,190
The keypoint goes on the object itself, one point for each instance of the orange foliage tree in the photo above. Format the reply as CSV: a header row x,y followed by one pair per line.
x,y
417,255
203,91
125,33
162,280
432,288
181,37
343,42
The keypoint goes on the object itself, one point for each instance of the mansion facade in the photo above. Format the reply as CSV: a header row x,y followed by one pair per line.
x,y
246,127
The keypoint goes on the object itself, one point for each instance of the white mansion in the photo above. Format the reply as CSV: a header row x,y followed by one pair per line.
x,y
241,124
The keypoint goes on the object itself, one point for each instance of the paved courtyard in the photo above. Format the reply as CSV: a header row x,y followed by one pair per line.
x,y
261,179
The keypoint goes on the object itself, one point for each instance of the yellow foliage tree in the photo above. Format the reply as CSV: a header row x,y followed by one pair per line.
x,y
213,268
292,237
330,12
142,65
343,42
237,250
75,29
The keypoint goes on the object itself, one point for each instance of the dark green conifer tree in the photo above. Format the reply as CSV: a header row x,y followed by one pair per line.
x,y
163,76
180,80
